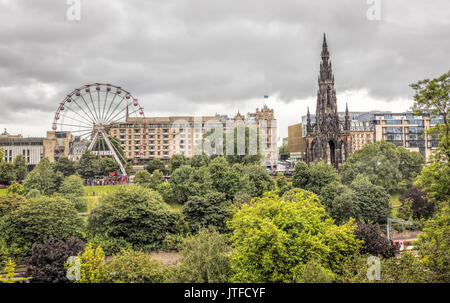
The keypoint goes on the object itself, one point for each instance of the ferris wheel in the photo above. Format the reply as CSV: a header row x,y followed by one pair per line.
x,y
89,112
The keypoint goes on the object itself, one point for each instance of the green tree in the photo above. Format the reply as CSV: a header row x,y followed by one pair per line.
x,y
7,172
198,161
204,259
10,203
142,177
72,189
186,181
433,97
66,166
131,266
16,189
156,179
41,217
435,180
43,178
10,269
273,239
88,166
246,155
410,165
300,177
166,192
20,166
379,161
108,165
135,215
257,177
414,199
176,161
373,201
92,265
224,179
339,201
211,209
155,164
434,245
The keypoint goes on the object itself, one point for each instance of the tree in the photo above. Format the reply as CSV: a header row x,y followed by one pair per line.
x,y
72,189
372,201
251,153
410,164
282,184
10,269
314,177
156,179
135,215
415,198
155,164
259,180
47,261
433,97
283,151
198,161
166,192
273,239
7,172
210,209
16,189
435,181
41,217
339,201
375,243
88,166
186,181
92,265
108,165
314,272
379,161
43,178
66,166
10,203
300,177
142,177
433,245
176,161
204,259
20,167
224,179
131,266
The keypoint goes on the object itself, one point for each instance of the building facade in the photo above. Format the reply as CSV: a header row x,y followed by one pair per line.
x,y
162,137
328,138
407,130
296,142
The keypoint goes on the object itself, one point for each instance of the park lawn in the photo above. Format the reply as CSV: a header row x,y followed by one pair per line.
x,y
395,202
92,200
3,191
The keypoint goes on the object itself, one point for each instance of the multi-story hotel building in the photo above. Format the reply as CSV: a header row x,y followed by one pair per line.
x,y
162,137
407,130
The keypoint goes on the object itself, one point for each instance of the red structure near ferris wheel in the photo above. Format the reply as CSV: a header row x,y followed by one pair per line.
x,y
88,112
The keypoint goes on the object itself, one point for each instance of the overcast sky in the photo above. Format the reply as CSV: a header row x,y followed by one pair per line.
x,y
216,56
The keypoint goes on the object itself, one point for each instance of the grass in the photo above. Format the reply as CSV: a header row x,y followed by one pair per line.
x,y
93,194
395,202
3,191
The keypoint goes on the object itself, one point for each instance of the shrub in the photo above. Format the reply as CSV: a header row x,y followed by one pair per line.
x,y
375,243
134,267
39,218
211,209
204,259
136,215
92,265
46,264
10,203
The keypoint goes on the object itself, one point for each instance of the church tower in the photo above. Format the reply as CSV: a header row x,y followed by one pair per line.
x,y
327,139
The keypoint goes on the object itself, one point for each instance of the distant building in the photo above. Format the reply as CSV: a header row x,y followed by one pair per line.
x,y
167,136
31,149
296,142
407,130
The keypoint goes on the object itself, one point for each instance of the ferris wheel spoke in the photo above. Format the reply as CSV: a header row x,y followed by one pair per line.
x,y
84,100
85,120
73,125
99,108
104,105
112,119
76,120
93,106
110,105
87,117
114,110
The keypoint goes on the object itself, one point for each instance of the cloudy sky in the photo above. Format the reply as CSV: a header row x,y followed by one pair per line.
x,y
216,56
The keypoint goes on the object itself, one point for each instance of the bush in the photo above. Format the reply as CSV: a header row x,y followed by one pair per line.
x,y
136,215
134,267
73,186
375,243
204,259
166,191
142,177
39,218
273,239
43,178
46,264
10,203
92,265
415,199
203,211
